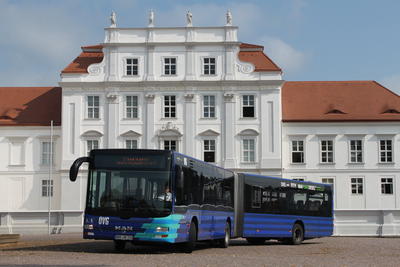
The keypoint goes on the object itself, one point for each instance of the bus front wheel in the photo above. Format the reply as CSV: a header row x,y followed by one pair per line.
x,y
297,234
224,243
192,238
119,245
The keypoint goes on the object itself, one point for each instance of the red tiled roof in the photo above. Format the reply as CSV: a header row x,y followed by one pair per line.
x,y
327,101
30,106
246,45
90,55
248,53
255,55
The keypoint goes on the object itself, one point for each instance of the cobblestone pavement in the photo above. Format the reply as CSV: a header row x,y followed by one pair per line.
x,y
72,250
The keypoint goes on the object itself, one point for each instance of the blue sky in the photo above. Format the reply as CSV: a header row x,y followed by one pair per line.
x,y
309,39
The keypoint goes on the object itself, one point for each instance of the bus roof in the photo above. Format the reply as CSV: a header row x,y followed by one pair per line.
x,y
208,163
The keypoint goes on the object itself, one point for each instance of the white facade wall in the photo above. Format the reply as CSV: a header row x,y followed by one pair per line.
x,y
22,206
369,213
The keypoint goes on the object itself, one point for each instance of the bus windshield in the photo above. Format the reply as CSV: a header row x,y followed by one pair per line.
x,y
127,193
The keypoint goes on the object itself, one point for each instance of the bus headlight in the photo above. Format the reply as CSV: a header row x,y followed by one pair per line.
x,y
162,229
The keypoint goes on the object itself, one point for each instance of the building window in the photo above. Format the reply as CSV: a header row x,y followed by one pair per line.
x,y
209,150
329,181
91,144
357,186
170,66
209,66
356,153
387,186
298,179
256,197
248,106
385,151
170,145
131,106
131,144
47,156
131,66
47,188
249,153
169,106
326,151
93,106
297,151
209,106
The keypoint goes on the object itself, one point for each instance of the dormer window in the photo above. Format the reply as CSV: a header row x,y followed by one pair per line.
x,y
131,66
391,111
335,111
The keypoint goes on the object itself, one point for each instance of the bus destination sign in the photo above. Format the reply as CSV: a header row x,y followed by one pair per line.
x,y
131,161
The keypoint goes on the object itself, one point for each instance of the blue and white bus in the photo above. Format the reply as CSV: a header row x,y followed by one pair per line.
x,y
161,196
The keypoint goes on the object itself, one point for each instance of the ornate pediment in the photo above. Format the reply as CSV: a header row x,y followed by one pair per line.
x,y
209,132
92,133
131,133
249,132
169,130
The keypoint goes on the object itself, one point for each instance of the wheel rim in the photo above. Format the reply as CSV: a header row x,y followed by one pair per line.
x,y
227,235
297,234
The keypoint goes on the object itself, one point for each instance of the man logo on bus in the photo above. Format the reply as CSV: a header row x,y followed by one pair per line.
x,y
104,220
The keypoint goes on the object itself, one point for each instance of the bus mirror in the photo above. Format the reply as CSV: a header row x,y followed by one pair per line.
x,y
73,171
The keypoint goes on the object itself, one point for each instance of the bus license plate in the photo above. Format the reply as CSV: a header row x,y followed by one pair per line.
x,y
123,237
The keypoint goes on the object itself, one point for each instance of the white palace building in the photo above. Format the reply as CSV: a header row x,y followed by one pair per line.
x,y
202,92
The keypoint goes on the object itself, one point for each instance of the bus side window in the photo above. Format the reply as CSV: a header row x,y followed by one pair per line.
x,y
256,197
179,185
299,200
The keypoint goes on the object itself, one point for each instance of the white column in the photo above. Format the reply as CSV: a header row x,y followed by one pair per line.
x,y
149,123
229,63
270,132
112,120
190,64
190,125
112,69
149,75
230,161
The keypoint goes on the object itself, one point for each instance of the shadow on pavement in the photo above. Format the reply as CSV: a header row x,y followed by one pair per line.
x,y
108,247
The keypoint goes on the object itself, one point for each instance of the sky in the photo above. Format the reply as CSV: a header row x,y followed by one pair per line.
x,y
309,39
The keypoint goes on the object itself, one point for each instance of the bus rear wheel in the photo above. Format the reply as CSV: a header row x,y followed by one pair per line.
x,y
192,238
256,240
224,243
119,245
297,234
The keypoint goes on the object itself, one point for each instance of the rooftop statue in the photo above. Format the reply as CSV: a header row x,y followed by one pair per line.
x,y
189,18
113,19
151,18
228,18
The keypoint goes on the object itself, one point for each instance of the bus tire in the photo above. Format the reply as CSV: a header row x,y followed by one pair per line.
x,y
255,240
192,238
297,234
119,245
224,242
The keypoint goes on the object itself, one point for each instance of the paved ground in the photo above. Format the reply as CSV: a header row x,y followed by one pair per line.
x,y
71,250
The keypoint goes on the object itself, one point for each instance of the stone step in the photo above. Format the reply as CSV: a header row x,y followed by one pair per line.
x,y
9,238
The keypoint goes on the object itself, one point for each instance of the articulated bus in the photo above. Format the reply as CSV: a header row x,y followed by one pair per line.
x,y
162,196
